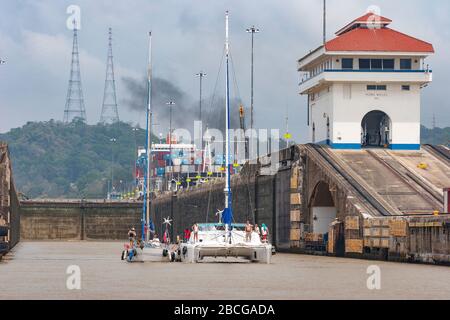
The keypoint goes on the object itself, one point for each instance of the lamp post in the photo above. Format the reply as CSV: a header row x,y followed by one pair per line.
x,y
170,104
252,30
201,74
112,140
134,154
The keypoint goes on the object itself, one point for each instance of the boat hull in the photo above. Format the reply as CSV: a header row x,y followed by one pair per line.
x,y
192,253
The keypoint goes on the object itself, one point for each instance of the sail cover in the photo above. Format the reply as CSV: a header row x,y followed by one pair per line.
x,y
227,216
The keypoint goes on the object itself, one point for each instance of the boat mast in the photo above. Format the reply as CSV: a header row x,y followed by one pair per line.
x,y
227,214
146,207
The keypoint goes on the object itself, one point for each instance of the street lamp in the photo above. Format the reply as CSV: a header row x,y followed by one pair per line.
x,y
134,153
201,74
252,30
170,104
112,140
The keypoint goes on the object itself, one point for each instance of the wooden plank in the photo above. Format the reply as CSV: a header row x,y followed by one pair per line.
x,y
352,223
330,244
295,198
367,242
353,246
436,224
295,234
398,228
384,243
294,178
295,215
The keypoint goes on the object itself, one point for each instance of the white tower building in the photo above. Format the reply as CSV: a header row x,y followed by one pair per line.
x,y
364,87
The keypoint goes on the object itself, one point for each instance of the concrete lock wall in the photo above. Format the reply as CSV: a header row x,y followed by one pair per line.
x,y
78,220
9,204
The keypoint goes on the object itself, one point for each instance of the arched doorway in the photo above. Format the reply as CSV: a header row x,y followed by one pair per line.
x,y
323,210
376,130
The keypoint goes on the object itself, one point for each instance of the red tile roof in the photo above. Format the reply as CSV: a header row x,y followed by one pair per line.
x,y
377,39
371,17
367,19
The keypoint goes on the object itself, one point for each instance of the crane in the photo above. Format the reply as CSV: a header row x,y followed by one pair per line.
x,y
242,126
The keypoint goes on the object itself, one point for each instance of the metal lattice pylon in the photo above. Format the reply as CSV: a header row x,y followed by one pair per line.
x,y
74,101
109,107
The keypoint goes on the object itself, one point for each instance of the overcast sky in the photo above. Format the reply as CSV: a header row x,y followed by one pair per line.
x,y
188,37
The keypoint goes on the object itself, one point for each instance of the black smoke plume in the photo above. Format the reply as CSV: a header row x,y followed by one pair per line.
x,y
186,109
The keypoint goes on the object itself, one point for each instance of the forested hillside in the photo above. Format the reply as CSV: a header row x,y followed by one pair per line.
x,y
51,159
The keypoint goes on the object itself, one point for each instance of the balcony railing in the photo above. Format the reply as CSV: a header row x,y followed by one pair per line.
x,y
366,70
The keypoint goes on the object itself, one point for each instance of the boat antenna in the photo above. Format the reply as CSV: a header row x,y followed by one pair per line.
x,y
227,216
146,202
324,22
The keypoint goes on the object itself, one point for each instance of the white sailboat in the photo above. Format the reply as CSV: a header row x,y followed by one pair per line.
x,y
148,249
225,238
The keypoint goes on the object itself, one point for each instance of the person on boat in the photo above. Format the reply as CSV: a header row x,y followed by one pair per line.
x,y
258,231
264,232
187,234
166,237
248,231
132,236
195,230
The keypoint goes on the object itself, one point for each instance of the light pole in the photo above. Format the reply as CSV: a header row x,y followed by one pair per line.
x,y
170,104
252,30
134,154
112,140
201,74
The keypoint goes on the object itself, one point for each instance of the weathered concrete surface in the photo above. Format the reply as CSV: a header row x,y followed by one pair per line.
x,y
9,204
78,220
37,270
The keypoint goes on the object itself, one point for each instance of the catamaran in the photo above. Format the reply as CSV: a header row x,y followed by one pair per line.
x,y
225,238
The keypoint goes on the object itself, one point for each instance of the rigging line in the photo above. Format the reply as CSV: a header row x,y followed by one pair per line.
x,y
236,87
209,199
215,87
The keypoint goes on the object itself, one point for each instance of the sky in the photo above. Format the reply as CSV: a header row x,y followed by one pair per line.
x,y
188,37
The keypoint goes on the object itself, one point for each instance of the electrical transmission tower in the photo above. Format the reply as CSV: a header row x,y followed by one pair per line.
x,y
109,107
74,101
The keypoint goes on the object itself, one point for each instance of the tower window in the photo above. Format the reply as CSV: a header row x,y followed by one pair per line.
x,y
376,64
372,87
364,64
406,88
347,63
388,64
405,64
